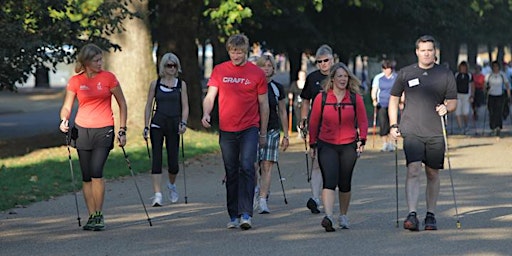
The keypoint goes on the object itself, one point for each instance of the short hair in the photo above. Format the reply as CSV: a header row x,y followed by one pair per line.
x,y
354,83
387,64
86,54
323,50
168,57
238,41
260,62
424,39
463,64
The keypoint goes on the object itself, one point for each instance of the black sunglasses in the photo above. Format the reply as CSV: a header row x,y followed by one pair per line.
x,y
324,60
172,65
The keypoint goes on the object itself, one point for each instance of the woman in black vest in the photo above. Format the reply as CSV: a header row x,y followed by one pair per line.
x,y
169,120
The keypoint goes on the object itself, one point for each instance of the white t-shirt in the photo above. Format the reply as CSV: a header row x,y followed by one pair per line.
x,y
496,82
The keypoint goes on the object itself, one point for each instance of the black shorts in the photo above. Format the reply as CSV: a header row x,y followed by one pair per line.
x,y
383,121
429,150
89,138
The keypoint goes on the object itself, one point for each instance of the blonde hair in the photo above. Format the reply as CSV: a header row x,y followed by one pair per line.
x,y
168,57
353,82
238,41
86,54
260,62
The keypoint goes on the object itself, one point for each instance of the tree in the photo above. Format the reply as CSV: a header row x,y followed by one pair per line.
x,y
36,33
134,66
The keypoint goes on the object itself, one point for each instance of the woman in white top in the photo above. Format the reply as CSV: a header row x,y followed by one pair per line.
x,y
496,84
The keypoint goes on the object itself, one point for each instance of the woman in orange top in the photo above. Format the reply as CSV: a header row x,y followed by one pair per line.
x,y
93,131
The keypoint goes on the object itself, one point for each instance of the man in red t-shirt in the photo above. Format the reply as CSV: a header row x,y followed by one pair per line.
x,y
243,113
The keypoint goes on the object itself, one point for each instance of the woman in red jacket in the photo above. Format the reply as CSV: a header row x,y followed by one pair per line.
x,y
338,129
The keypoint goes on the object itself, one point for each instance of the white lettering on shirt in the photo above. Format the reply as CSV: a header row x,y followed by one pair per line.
x,y
236,80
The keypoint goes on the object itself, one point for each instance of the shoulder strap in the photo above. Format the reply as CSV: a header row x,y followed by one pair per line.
x,y
275,90
324,98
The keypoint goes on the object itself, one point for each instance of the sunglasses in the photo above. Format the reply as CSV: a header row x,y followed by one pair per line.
x,y
324,60
172,65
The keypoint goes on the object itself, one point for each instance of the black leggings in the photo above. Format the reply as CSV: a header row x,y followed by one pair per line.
x,y
495,105
165,127
337,165
92,162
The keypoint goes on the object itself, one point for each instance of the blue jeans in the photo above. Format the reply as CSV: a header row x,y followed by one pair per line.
x,y
239,155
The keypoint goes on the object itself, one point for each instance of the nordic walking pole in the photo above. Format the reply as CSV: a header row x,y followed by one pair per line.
x,y
307,160
396,180
184,173
136,186
450,171
374,125
281,179
147,147
68,140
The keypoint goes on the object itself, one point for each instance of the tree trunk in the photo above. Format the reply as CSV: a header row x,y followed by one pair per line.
x,y
472,54
178,35
133,65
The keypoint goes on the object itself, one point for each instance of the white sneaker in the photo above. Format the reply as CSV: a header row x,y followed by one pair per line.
x,y
157,200
385,147
391,147
245,222
173,193
263,206
233,223
343,222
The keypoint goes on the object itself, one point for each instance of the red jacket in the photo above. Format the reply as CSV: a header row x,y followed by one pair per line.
x,y
338,121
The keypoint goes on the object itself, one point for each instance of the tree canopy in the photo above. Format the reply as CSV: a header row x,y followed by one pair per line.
x,y
39,33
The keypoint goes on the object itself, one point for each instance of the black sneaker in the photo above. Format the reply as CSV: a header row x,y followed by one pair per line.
x,y
430,222
327,224
99,223
313,206
411,222
90,222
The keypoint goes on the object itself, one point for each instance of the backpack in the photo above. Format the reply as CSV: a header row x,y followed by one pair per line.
x,y
352,102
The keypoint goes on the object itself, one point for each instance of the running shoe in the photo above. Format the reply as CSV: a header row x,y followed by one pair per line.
x,y
327,224
343,222
430,222
233,223
99,223
411,222
173,193
263,206
245,222
312,205
90,222
157,200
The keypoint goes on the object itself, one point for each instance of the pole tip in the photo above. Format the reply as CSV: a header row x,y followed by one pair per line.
x,y
458,225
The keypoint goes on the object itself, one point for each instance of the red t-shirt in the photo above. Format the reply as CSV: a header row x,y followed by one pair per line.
x,y
238,90
479,81
94,99
338,125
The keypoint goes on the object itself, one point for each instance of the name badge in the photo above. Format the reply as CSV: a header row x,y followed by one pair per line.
x,y
413,82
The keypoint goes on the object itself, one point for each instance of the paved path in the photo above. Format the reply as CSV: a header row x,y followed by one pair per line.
x,y
481,172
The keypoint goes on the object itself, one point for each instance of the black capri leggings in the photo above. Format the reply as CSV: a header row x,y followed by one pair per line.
x,y
337,165
92,162
163,127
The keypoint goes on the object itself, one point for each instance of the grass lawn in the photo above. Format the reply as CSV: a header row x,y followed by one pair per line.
x,y
45,173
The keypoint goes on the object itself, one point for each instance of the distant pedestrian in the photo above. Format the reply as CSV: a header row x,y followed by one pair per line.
x,y
93,132
465,96
338,129
430,93
324,61
243,113
169,94
278,117
479,84
381,87
498,95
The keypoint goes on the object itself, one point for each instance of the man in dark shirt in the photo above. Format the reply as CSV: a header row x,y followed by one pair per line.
x,y
430,92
